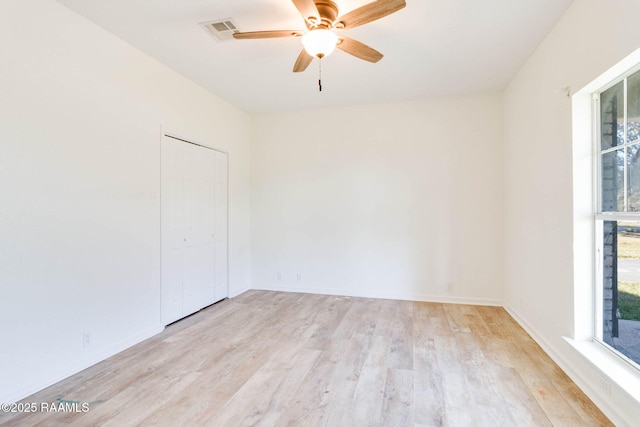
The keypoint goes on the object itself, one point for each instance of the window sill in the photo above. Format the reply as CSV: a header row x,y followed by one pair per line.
x,y
619,372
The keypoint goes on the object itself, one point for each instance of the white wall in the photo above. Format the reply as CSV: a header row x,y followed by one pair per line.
x,y
591,37
80,122
390,200
394,201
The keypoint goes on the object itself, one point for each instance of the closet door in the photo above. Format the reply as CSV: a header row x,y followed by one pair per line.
x,y
173,229
193,259
220,235
199,250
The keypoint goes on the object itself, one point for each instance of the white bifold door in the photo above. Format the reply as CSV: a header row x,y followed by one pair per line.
x,y
194,228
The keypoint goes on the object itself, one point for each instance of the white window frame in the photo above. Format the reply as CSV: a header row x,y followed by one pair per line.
x,y
599,216
598,370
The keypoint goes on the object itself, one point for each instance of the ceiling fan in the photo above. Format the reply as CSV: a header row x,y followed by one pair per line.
x,y
321,18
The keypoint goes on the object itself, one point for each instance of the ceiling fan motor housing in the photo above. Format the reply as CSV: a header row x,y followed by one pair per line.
x,y
328,11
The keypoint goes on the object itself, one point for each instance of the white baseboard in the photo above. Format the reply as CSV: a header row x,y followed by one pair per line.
x,y
447,299
587,386
62,374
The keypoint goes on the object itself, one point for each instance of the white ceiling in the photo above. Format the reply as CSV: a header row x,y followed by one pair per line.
x,y
432,48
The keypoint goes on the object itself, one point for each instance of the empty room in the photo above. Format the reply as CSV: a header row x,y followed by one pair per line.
x,y
320,212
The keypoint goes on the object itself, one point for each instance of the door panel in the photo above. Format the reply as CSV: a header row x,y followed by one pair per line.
x,y
220,227
172,296
172,206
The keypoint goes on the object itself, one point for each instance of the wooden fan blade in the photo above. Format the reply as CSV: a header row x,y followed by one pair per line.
x,y
267,34
303,61
370,12
359,50
308,10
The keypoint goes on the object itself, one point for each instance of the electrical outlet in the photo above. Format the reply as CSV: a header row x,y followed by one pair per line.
x,y
86,339
279,276
299,277
449,287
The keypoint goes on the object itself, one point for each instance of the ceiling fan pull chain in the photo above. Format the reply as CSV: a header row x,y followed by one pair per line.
x,y
319,74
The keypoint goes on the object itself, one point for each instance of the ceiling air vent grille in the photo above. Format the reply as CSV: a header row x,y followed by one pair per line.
x,y
221,29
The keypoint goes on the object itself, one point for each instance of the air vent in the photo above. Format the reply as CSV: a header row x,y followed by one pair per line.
x,y
221,29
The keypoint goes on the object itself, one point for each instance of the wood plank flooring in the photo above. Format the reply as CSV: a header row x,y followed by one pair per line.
x,y
288,359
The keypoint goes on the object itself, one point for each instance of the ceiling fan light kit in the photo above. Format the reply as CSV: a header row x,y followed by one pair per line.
x,y
321,18
320,42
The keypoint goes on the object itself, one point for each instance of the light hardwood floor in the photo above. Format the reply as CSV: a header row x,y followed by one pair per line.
x,y
288,359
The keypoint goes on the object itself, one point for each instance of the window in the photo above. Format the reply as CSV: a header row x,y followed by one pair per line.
x,y
617,219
